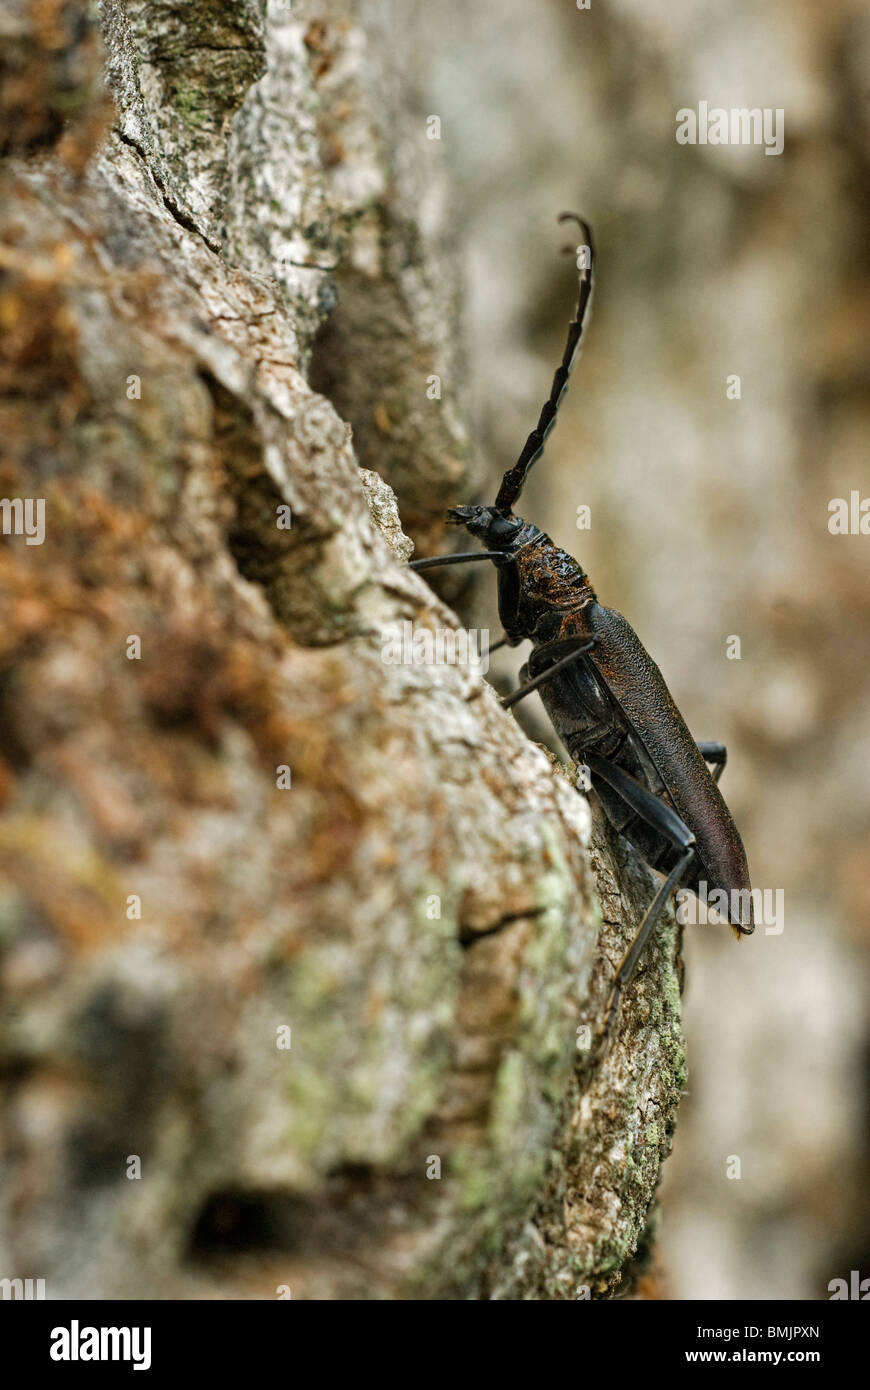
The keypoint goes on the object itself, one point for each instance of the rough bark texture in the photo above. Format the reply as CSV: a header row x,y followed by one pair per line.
x,y
425,908
709,518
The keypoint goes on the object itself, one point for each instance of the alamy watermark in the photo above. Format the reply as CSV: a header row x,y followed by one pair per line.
x,y
23,516
76,1343
849,516
403,644
25,1289
738,125
768,906
856,1288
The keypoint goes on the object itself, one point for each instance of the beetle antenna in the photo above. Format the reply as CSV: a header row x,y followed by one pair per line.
x,y
514,479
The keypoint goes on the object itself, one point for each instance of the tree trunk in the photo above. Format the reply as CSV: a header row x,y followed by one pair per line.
x,y
298,942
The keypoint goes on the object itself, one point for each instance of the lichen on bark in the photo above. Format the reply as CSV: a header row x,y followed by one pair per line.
x,y
424,903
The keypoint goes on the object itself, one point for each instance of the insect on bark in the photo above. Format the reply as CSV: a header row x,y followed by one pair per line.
x,y
604,694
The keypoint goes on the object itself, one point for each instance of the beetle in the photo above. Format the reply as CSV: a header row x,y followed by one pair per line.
x,y
605,696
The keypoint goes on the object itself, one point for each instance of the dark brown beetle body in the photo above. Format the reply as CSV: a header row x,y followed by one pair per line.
x,y
604,694
612,702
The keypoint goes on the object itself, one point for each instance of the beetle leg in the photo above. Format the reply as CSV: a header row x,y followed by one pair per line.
x,y
664,819
715,753
577,650
628,964
433,561
548,651
651,808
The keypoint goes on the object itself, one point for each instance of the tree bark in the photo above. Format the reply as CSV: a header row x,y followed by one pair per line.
x,y
340,1049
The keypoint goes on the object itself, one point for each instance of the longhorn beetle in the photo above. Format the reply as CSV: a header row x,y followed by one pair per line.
x,y
604,694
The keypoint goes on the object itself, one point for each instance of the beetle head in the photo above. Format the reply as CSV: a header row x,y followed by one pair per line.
x,y
497,530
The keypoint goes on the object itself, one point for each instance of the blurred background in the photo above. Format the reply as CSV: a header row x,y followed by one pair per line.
x,y
709,520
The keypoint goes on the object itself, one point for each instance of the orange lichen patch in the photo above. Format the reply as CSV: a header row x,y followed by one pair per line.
x,y
329,849
26,619
196,681
74,890
49,265
38,346
117,818
181,681
41,593
50,93
99,519
251,693
167,774
33,604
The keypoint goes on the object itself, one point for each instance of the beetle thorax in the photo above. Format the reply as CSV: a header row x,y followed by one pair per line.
x,y
551,580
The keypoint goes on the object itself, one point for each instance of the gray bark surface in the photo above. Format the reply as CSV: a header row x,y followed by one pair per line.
x,y
169,229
